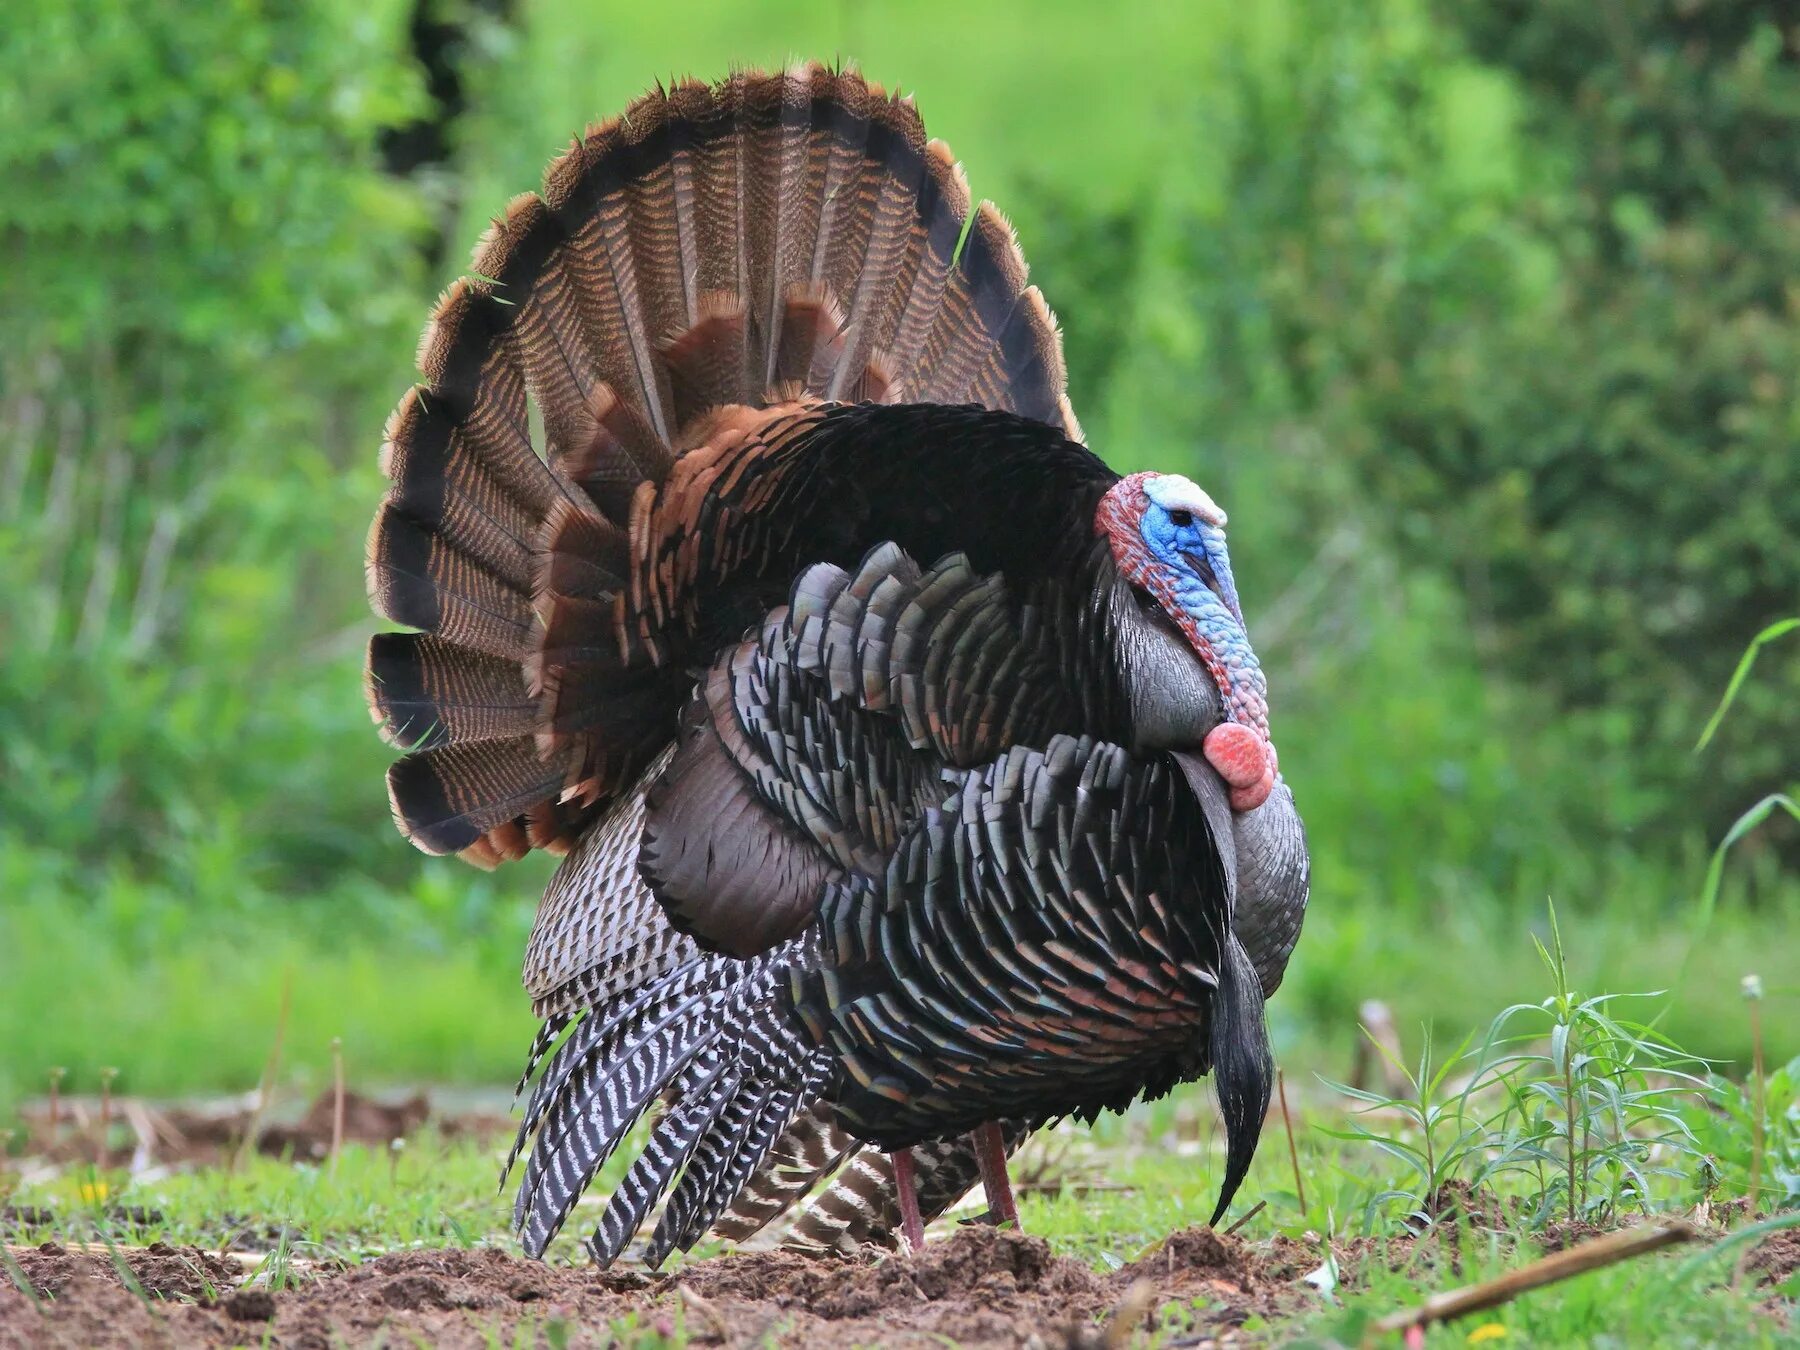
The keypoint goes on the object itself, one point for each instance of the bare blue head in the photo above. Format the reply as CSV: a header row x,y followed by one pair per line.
x,y
1168,538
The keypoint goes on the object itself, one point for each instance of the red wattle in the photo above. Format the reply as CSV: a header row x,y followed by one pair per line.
x,y
1237,752
1249,798
1244,760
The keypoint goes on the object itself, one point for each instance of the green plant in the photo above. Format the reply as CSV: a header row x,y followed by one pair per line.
x,y
1596,1111
1725,1128
1565,1108
1754,817
1441,1144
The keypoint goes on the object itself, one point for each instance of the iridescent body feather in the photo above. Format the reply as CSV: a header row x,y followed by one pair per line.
x,y
892,739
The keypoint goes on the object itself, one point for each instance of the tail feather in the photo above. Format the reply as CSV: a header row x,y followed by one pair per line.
x,y
707,1035
665,1153
425,693
725,1127
862,1205
603,1043
586,1122
419,578
788,235
813,1146
599,1038
541,1044
771,1111
449,799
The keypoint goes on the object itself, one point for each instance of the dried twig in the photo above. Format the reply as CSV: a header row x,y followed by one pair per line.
x,y
1250,1214
706,1311
1753,992
266,1093
56,1077
1605,1251
1293,1152
1379,1030
337,1100
249,1260
103,1149
1129,1315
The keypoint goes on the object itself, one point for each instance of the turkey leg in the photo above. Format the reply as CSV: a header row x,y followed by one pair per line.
x,y
906,1183
990,1156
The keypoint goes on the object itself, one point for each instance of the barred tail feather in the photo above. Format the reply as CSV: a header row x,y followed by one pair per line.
x,y
708,1038
789,235
767,1116
862,1205
811,1148
597,1102
666,1152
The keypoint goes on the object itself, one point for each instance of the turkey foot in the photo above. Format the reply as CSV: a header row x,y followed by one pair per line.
x,y
906,1183
1244,760
990,1156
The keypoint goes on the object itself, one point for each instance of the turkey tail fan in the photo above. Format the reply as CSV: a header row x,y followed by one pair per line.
x,y
1242,1066
789,236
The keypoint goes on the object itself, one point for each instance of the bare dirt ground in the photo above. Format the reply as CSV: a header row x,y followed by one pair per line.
x,y
980,1287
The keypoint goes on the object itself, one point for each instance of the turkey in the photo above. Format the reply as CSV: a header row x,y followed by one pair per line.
x,y
911,768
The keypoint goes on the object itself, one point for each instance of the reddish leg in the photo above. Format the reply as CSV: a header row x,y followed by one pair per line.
x,y
990,1153
907,1185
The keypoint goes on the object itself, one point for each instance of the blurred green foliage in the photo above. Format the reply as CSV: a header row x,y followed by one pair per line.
x,y
209,297
1479,318
1611,462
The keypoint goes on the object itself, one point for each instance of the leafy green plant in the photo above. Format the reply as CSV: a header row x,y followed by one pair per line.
x,y
1439,1139
1754,817
1726,1128
1594,1102
1565,1109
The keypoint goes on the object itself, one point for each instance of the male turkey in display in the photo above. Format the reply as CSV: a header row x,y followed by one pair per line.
x,y
912,767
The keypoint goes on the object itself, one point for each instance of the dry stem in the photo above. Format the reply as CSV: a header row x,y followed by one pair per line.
x,y
1604,1251
1293,1153
266,1092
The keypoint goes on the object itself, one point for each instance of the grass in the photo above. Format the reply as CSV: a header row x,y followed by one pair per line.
x,y
1557,1110
440,1193
183,998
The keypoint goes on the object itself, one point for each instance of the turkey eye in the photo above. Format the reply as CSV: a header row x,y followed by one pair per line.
x,y
1182,518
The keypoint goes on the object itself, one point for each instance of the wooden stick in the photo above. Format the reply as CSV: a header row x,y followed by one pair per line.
x,y
1753,992
706,1311
1293,1153
1604,1251
248,1260
271,1070
56,1077
337,1100
103,1148
1121,1328
1250,1214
